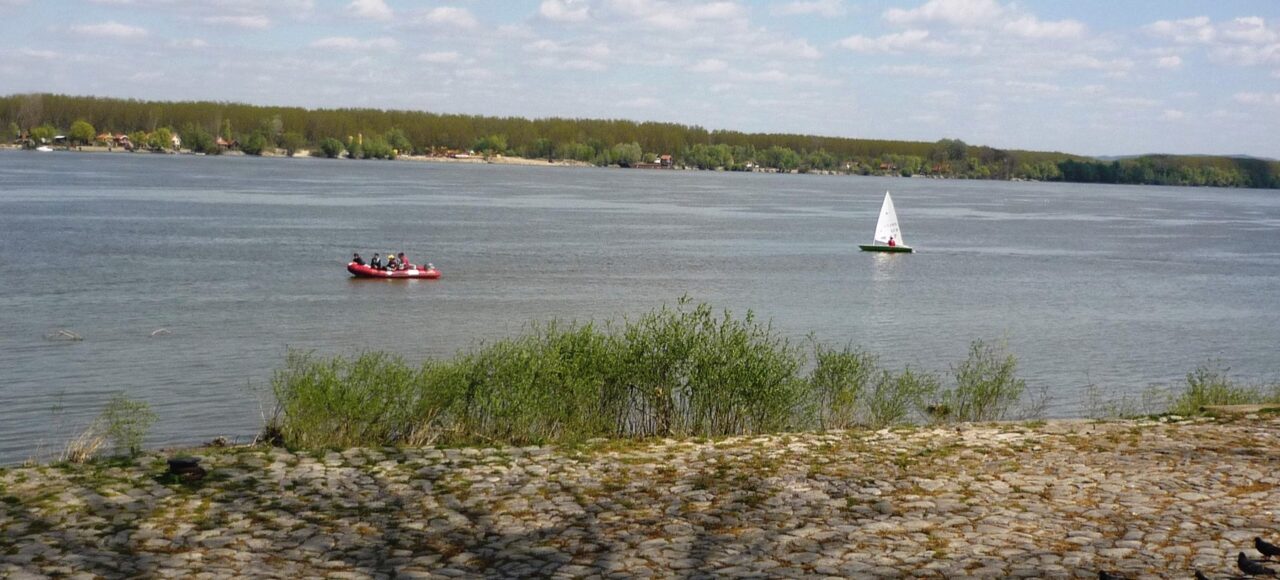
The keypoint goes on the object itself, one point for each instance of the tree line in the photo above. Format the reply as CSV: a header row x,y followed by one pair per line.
x,y
213,127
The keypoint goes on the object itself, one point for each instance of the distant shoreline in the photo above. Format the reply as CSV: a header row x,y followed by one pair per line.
x,y
495,159
474,160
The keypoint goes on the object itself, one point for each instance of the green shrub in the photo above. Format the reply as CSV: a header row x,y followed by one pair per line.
x,y
686,371
986,386
373,399
1208,385
839,380
892,399
332,148
544,386
126,423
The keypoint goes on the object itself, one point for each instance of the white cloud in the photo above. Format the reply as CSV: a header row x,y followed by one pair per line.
x,y
954,12
450,16
567,57
1249,30
188,43
709,65
822,7
1172,115
1032,87
250,21
665,15
764,76
1169,62
38,54
371,9
913,71
579,64
440,57
564,10
1186,31
1140,102
906,41
1245,41
111,29
350,43
1090,62
789,49
1250,98
1032,27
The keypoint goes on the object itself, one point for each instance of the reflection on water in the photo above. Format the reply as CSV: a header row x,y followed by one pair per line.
x,y
885,265
242,258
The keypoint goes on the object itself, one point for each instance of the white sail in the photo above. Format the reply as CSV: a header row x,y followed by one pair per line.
x,y
887,225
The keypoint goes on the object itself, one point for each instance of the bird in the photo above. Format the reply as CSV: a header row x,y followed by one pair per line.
x,y
1200,575
1268,549
1251,568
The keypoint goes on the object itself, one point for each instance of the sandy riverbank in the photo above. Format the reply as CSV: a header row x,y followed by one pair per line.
x,y
1056,500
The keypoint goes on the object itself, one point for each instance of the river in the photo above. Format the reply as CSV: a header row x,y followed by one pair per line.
x,y
189,277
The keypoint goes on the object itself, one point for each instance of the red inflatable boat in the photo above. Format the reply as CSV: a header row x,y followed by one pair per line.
x,y
361,271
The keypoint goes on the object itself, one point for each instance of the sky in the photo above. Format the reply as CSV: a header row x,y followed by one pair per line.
x,y
1091,77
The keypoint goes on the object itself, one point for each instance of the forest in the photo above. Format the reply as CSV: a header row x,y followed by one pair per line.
x,y
215,127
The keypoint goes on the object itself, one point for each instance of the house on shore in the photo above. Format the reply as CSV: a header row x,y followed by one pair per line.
x,y
662,162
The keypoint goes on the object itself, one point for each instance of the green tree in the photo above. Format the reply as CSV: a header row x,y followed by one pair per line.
x,y
43,133
254,144
949,149
160,140
14,131
355,149
138,139
331,148
82,132
627,154
377,148
399,143
491,145
198,140
540,148
292,142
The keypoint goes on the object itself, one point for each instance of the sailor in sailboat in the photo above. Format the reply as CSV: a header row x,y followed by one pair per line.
x,y
888,236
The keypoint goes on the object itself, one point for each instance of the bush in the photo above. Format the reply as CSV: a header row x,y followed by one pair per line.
x,y
199,141
681,371
986,386
332,148
894,398
126,423
255,144
374,399
675,371
1208,385
292,142
838,382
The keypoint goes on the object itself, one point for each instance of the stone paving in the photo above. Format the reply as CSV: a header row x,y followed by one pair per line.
x,y
1062,499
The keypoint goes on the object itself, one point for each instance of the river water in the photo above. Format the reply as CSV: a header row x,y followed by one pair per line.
x,y
239,259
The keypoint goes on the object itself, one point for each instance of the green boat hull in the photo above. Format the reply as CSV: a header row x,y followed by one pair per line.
x,y
880,248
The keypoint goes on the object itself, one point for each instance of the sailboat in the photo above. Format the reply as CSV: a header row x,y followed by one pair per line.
x,y
888,236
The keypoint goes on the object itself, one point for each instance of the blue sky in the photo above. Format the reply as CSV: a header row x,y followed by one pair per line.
x,y
1086,76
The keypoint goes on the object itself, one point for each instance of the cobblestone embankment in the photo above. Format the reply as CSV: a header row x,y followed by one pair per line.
x,y
1056,500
